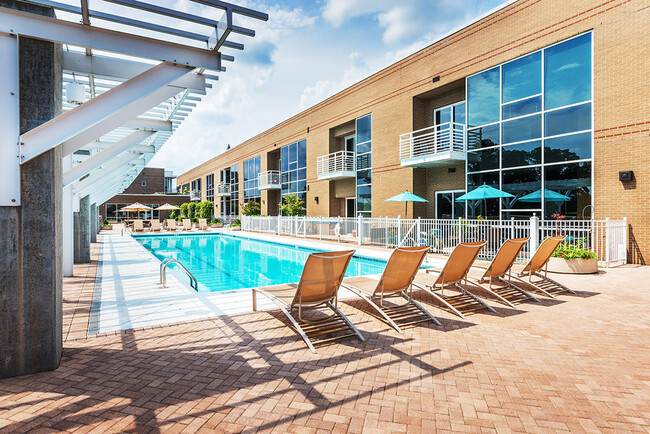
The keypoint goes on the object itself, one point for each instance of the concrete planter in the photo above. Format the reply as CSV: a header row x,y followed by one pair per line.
x,y
573,266
107,227
217,225
235,228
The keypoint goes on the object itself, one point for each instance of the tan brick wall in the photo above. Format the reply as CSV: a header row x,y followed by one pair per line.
x,y
155,179
621,109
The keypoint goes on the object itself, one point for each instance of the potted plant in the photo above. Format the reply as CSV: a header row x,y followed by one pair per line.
x,y
573,259
236,225
216,223
107,225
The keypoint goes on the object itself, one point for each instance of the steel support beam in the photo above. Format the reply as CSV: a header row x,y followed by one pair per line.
x,y
104,156
102,114
9,122
65,32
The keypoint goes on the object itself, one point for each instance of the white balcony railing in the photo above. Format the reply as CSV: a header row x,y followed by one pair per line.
x,y
435,145
195,195
223,190
269,180
336,165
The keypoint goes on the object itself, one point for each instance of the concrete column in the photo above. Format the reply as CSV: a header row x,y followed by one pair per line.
x,y
84,230
76,237
30,235
93,223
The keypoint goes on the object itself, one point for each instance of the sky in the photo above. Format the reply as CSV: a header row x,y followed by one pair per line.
x,y
306,52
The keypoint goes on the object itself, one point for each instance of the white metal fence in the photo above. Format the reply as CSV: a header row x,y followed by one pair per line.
x,y
342,161
607,238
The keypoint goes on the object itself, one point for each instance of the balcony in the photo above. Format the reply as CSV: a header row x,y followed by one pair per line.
x,y
269,180
439,145
223,190
195,195
338,165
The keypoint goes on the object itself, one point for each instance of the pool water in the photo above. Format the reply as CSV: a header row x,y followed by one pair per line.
x,y
223,262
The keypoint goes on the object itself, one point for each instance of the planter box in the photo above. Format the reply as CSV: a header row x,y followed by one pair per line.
x,y
235,228
217,225
573,266
107,227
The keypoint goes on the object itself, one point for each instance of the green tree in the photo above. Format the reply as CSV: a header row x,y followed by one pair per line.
x,y
292,205
205,210
251,208
191,211
184,210
173,214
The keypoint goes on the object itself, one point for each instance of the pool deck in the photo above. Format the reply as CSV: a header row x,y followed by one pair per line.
x,y
579,363
128,294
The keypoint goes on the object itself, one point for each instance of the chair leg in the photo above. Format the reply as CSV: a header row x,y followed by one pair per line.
x,y
440,299
478,300
346,321
493,293
554,282
537,288
422,309
521,290
377,308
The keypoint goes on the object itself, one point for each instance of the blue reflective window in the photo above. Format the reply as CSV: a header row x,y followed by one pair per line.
x,y
572,180
302,153
521,154
522,129
522,108
364,201
483,137
477,179
520,182
364,177
486,159
522,77
459,113
364,161
483,100
364,133
567,148
568,120
567,72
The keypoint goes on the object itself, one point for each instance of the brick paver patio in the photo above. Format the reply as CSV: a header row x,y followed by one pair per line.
x,y
579,363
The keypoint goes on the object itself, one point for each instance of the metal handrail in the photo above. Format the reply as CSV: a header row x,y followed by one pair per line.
x,y
448,136
163,272
341,161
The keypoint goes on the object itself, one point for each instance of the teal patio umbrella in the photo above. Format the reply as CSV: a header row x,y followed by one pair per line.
x,y
549,196
483,193
406,197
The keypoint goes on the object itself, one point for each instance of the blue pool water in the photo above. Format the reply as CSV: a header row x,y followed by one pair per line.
x,y
223,262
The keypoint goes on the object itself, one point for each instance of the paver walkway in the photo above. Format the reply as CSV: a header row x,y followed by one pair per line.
x,y
580,363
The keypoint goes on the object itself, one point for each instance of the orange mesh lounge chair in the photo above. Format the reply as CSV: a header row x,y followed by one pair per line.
x,y
450,277
171,224
538,262
187,225
318,288
395,281
501,267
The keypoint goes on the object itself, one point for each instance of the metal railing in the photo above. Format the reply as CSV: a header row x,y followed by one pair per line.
x,y
607,238
223,190
195,195
341,161
449,136
269,178
163,272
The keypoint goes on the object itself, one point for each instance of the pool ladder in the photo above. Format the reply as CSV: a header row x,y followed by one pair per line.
x,y
163,272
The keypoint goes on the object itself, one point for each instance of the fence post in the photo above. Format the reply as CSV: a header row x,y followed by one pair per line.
x,y
304,227
417,234
279,224
359,226
399,230
320,228
608,242
460,229
512,227
625,239
534,234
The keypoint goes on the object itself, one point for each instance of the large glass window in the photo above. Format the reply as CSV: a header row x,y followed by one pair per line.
x,y
293,176
209,187
364,165
251,183
540,138
446,205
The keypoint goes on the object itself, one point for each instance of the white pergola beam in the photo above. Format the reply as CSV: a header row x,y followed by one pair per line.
x,y
105,155
123,162
100,145
148,124
65,32
104,113
9,122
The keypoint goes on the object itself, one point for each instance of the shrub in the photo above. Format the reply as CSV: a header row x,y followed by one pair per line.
x,y
173,214
292,205
237,222
251,208
191,211
184,210
205,209
105,222
566,251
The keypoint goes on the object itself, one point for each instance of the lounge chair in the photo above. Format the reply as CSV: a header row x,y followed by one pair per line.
x,y
138,225
495,274
538,262
171,224
155,225
203,224
187,225
450,277
395,281
318,288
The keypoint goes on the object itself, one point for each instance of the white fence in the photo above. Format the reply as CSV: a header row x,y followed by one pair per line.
x,y
607,238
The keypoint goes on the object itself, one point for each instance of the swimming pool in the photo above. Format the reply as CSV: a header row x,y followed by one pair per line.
x,y
223,262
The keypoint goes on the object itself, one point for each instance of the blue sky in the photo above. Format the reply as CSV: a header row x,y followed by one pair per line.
x,y
306,52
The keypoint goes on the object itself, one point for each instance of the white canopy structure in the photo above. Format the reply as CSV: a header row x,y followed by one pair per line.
x,y
138,68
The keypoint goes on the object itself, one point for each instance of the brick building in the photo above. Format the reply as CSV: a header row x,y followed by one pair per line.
x,y
152,187
535,96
